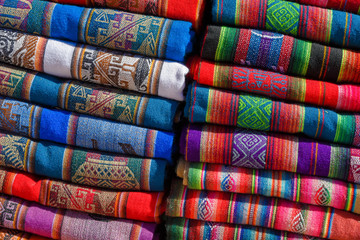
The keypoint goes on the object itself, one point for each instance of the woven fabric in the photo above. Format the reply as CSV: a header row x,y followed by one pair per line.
x,y
83,131
143,206
260,211
189,229
261,150
66,224
187,10
281,53
10,234
90,64
313,23
118,105
275,85
281,184
135,33
260,113
352,6
81,166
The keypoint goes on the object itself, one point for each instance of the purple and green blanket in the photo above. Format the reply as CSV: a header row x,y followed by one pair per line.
x,y
261,113
271,151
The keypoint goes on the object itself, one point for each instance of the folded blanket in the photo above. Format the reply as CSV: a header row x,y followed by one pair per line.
x,y
10,234
183,228
352,6
83,131
81,166
260,211
143,206
135,33
281,53
260,113
188,10
118,105
274,85
313,23
290,186
90,64
261,150
66,224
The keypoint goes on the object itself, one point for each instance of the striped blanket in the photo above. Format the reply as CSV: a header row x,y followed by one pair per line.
x,y
262,150
143,206
118,105
317,24
281,184
66,224
83,131
281,53
352,6
189,229
275,85
260,113
81,166
135,33
260,211
90,64
187,10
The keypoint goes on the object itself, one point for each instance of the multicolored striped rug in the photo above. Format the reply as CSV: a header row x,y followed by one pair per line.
x,y
280,184
275,85
271,151
313,23
260,211
281,53
260,113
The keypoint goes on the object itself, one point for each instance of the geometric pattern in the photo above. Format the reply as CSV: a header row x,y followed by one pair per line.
x,y
249,149
228,183
107,174
322,196
254,112
258,81
282,16
298,223
12,150
205,211
355,168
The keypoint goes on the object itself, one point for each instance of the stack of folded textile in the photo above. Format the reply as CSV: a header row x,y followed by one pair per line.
x,y
87,127
271,153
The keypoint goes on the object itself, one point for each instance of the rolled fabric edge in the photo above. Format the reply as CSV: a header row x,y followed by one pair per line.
x,y
179,43
172,80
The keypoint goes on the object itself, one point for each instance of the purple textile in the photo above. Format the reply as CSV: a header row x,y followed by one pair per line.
x,y
263,150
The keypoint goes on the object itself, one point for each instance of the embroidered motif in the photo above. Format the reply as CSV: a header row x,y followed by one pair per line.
x,y
282,16
322,196
108,174
12,151
205,211
298,223
15,116
125,31
249,149
13,16
254,112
